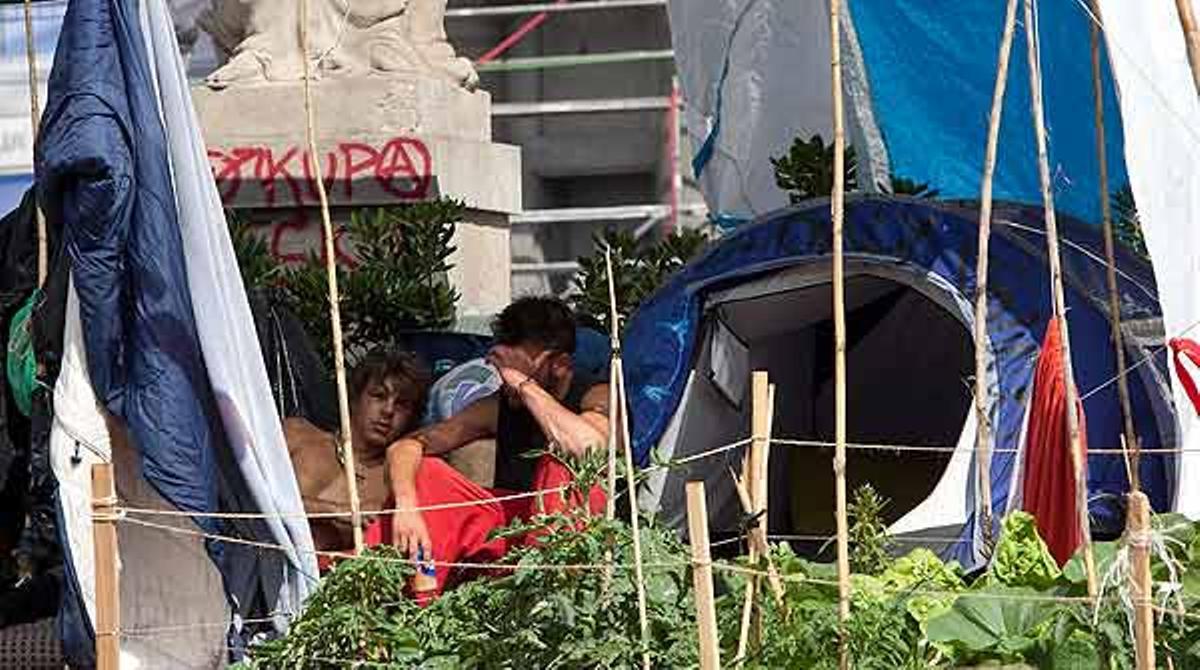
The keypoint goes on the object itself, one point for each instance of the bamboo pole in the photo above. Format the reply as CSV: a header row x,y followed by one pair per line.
x,y
614,336
702,577
1059,296
35,119
1141,586
983,421
838,203
1131,443
634,523
108,593
1191,36
335,317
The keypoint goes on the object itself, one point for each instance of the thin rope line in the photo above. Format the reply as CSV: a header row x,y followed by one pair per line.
x,y
406,561
338,515
700,456
153,631
1087,253
142,511
947,449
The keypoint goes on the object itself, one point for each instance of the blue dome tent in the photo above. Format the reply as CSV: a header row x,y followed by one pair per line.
x,y
761,299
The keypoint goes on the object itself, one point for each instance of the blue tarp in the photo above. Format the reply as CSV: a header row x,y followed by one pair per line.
x,y
932,68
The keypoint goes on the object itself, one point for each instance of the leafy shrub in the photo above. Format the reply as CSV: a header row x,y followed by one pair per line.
x,y
638,271
806,171
397,282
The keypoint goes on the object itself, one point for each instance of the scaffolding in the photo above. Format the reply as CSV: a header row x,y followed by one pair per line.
x,y
643,218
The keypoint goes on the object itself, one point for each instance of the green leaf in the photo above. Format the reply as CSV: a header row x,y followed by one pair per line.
x,y
1021,557
991,623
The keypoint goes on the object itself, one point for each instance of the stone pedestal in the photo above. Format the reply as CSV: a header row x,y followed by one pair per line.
x,y
383,139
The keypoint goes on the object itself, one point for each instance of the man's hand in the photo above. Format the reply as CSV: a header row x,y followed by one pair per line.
x,y
515,366
410,535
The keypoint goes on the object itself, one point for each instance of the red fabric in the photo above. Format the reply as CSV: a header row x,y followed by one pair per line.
x,y
1049,486
460,534
1181,347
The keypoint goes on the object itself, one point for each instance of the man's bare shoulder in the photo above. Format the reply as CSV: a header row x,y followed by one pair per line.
x,y
306,440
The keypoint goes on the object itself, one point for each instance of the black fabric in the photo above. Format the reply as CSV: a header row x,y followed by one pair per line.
x,y
18,278
26,485
299,382
28,520
39,542
518,434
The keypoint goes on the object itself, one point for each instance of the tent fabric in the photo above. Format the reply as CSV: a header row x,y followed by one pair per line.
x,y
299,382
663,340
1049,475
256,466
918,78
1162,114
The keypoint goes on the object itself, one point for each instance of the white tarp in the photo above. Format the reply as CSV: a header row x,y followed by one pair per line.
x,y
159,570
1161,113
226,326
740,63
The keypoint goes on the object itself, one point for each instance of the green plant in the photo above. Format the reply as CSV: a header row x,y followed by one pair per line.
x,y
638,271
870,545
398,281
1127,226
258,267
531,617
806,171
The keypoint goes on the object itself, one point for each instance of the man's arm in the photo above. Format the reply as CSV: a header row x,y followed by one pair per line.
x,y
477,421
573,433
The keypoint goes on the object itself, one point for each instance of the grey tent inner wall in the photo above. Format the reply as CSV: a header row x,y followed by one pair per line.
x,y
909,365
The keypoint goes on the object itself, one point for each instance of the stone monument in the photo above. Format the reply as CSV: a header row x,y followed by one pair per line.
x,y
398,119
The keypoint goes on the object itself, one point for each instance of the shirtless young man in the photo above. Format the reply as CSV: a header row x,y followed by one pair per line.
x,y
544,405
387,398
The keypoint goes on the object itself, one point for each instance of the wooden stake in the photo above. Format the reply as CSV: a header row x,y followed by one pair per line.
x,y
837,205
335,316
634,523
108,592
702,577
1059,296
35,119
753,491
1131,441
1190,35
1137,534
983,420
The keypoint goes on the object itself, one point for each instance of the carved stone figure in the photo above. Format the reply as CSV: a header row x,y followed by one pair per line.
x,y
346,37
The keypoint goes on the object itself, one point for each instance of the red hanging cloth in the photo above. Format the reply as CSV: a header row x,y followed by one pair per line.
x,y
1049,485
1184,348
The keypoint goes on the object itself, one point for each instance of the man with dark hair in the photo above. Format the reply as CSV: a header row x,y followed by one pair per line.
x,y
544,405
387,398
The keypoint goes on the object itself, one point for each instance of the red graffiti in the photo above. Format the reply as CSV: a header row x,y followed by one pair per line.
x,y
401,168
295,234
